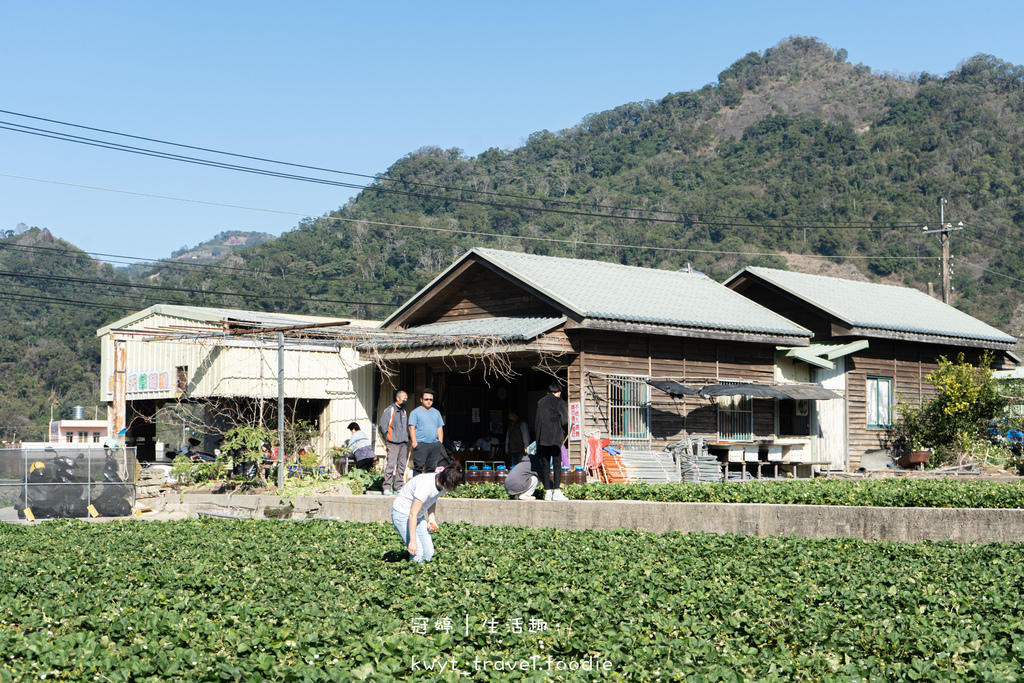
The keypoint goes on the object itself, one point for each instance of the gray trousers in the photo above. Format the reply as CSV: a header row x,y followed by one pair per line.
x,y
394,470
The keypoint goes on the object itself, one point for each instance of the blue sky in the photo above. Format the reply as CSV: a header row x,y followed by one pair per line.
x,y
355,86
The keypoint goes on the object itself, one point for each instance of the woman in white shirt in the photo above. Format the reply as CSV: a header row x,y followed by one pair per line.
x,y
417,496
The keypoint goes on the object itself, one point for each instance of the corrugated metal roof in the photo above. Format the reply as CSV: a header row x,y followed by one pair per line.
x,y
883,307
812,391
212,315
610,291
513,328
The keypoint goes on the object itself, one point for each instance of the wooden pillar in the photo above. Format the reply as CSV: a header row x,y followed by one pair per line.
x,y
116,414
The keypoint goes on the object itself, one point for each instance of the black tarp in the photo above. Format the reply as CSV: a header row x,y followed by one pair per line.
x,y
794,391
754,390
672,388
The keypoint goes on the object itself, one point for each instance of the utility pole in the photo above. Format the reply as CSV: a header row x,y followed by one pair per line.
x,y
943,231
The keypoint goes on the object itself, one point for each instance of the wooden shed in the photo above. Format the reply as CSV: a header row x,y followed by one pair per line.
x,y
875,343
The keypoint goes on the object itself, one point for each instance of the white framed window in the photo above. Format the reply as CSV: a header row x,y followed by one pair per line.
x,y
735,417
879,401
629,411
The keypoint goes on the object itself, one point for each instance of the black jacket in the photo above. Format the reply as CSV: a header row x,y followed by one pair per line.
x,y
552,419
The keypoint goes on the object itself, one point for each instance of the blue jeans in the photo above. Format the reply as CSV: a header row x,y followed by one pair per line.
x,y
424,544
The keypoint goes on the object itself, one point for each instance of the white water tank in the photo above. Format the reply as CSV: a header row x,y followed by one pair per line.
x,y
78,413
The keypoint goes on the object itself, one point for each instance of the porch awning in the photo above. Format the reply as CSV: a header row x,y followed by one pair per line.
x,y
754,390
822,355
672,388
784,391
803,391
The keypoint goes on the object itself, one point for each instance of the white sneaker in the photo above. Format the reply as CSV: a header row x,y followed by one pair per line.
x,y
558,495
548,495
526,496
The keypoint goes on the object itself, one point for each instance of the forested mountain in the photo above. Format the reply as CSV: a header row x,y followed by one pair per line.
x,y
53,298
793,158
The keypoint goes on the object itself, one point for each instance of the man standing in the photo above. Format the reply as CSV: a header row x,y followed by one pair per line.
x,y
426,432
394,429
552,420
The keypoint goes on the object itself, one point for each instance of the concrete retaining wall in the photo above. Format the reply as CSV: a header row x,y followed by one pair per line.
x,y
810,521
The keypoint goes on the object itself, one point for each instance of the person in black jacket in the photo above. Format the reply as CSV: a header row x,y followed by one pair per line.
x,y
552,421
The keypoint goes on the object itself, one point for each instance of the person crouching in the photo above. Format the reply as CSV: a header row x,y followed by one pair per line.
x,y
361,447
413,510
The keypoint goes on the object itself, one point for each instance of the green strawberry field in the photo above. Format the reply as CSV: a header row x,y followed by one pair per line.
x,y
220,600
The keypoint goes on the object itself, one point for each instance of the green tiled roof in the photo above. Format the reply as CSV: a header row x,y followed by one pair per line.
x,y
882,307
610,291
508,329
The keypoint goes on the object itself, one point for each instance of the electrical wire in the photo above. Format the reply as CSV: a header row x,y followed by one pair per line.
x,y
65,278
137,259
376,178
472,233
987,270
543,208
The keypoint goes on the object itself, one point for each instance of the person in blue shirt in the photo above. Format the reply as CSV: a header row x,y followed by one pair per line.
x,y
426,432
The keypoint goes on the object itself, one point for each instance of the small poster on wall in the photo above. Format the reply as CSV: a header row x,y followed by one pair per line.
x,y
476,416
575,422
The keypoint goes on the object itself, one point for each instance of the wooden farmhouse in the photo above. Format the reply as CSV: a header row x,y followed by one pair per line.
x,y
506,324
873,343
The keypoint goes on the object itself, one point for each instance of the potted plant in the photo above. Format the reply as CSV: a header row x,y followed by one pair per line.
x,y
916,454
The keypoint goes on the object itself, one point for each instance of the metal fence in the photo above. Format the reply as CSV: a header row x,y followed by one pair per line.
x,y
81,481
629,412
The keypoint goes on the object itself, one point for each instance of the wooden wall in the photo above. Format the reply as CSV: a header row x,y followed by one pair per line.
x,y
908,363
683,359
482,293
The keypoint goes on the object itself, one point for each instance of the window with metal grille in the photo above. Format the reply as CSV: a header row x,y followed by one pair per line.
x,y
629,410
735,417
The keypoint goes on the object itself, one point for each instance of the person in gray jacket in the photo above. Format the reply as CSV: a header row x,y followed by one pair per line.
x,y
394,429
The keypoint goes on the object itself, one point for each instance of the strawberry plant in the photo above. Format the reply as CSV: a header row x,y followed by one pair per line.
x,y
218,600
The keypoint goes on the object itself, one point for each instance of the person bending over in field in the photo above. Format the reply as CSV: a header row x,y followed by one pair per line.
x,y
413,510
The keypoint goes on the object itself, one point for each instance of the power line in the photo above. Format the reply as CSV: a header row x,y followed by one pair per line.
x,y
987,270
61,301
147,300
65,278
161,262
375,178
689,220
472,233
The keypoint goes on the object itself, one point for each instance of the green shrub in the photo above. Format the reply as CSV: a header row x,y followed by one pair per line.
x,y
889,492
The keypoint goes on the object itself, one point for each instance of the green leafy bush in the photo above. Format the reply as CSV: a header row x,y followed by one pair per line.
x,y
188,472
889,492
360,481
956,420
